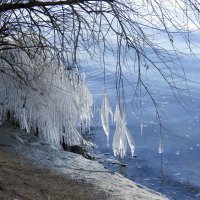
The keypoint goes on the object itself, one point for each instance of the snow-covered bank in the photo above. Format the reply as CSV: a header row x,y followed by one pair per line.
x,y
72,165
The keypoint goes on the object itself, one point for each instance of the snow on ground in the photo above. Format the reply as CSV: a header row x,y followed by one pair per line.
x,y
72,165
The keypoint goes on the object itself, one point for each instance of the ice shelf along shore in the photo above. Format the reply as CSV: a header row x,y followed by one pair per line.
x,y
72,165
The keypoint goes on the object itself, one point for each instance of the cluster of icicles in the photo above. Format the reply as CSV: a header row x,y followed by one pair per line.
x,y
122,137
41,95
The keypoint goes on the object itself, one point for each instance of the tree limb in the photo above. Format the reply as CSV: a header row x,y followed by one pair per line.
x,y
31,4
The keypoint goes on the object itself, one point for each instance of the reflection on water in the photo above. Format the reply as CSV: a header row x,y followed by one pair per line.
x,y
177,174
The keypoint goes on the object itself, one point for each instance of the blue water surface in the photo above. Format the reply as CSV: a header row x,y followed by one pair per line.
x,y
176,172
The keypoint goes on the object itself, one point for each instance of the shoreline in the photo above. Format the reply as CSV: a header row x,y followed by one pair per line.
x,y
19,179
70,167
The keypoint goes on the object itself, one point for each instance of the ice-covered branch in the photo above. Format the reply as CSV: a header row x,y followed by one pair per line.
x,y
55,101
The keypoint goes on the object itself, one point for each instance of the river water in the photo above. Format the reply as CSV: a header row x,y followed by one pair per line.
x,y
176,172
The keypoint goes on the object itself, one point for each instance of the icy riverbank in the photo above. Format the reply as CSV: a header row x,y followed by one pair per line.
x,y
71,165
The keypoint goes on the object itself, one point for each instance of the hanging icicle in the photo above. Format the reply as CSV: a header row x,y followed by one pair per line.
x,y
106,112
141,128
122,136
160,149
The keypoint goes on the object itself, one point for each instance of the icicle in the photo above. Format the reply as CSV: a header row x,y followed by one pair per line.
x,y
116,145
119,139
160,149
130,142
24,120
117,115
122,136
141,128
119,143
128,135
106,110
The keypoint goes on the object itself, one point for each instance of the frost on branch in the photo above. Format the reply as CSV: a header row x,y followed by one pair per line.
x,y
40,94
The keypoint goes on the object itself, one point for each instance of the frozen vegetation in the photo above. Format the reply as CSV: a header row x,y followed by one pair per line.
x,y
41,95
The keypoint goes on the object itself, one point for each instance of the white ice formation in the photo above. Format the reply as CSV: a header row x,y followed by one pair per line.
x,y
122,136
106,110
41,95
160,149
141,128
